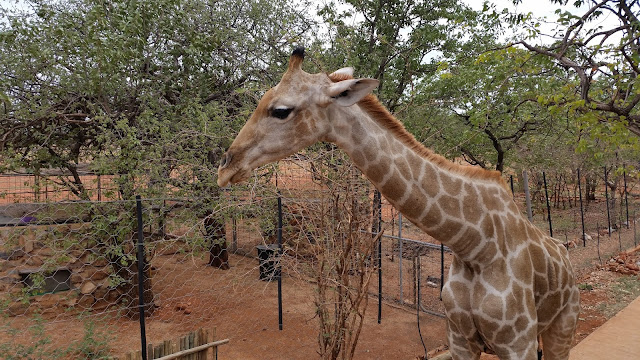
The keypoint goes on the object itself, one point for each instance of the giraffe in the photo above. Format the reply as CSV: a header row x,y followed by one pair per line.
x,y
509,282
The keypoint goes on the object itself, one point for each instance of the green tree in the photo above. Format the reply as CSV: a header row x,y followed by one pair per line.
x,y
147,91
394,41
482,107
601,57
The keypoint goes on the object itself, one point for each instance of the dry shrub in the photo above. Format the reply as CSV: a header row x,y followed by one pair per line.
x,y
339,256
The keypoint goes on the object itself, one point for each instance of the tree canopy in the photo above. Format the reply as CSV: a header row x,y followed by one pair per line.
x,y
147,90
154,91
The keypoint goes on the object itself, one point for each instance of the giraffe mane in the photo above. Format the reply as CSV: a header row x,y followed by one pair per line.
x,y
371,105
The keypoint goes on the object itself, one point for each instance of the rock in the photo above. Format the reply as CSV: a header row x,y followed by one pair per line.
x,y
47,301
69,302
100,304
77,253
98,274
15,254
100,262
100,293
4,264
623,263
76,280
17,308
75,265
113,296
85,301
28,245
8,280
184,307
34,261
88,288
46,252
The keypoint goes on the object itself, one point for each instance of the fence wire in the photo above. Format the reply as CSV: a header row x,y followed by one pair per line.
x,y
68,269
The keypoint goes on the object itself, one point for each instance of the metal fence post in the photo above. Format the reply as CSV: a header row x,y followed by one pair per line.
x,y
606,195
377,204
279,259
400,241
626,197
99,188
441,269
511,180
143,336
527,196
546,195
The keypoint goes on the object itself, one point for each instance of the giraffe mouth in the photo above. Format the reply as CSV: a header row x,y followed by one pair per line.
x,y
228,173
228,176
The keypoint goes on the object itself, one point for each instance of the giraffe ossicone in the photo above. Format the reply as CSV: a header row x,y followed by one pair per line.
x,y
509,282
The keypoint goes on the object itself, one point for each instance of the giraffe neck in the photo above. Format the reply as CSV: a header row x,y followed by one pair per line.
x,y
461,207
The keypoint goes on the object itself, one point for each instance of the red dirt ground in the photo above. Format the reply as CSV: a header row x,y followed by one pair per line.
x,y
244,310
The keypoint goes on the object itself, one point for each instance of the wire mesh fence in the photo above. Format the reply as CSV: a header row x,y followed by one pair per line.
x,y
60,277
52,186
69,269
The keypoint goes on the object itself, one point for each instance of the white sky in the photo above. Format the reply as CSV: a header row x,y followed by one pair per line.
x,y
539,8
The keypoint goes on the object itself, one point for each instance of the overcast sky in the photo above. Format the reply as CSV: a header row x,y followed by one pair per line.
x,y
539,8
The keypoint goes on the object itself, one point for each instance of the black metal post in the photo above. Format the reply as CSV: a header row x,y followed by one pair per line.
x,y
234,234
379,206
441,269
400,254
584,237
279,233
626,197
527,196
606,195
99,189
143,335
511,180
546,195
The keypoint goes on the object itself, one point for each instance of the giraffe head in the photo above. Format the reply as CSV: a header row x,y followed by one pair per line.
x,y
292,115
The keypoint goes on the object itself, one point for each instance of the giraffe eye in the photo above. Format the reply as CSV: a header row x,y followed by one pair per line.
x,y
281,113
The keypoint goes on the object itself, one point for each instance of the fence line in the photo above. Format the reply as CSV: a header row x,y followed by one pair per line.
x,y
92,253
50,186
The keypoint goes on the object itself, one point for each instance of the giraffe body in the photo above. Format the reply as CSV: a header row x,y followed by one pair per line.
x,y
509,282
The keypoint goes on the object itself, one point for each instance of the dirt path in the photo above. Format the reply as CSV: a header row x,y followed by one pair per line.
x,y
618,338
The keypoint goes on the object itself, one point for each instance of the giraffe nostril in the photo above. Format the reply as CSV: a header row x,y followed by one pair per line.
x,y
226,159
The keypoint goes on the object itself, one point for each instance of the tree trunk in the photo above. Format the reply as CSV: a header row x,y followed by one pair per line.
x,y
590,189
127,270
217,237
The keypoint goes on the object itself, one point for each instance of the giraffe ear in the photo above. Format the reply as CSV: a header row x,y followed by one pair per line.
x,y
349,92
348,71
